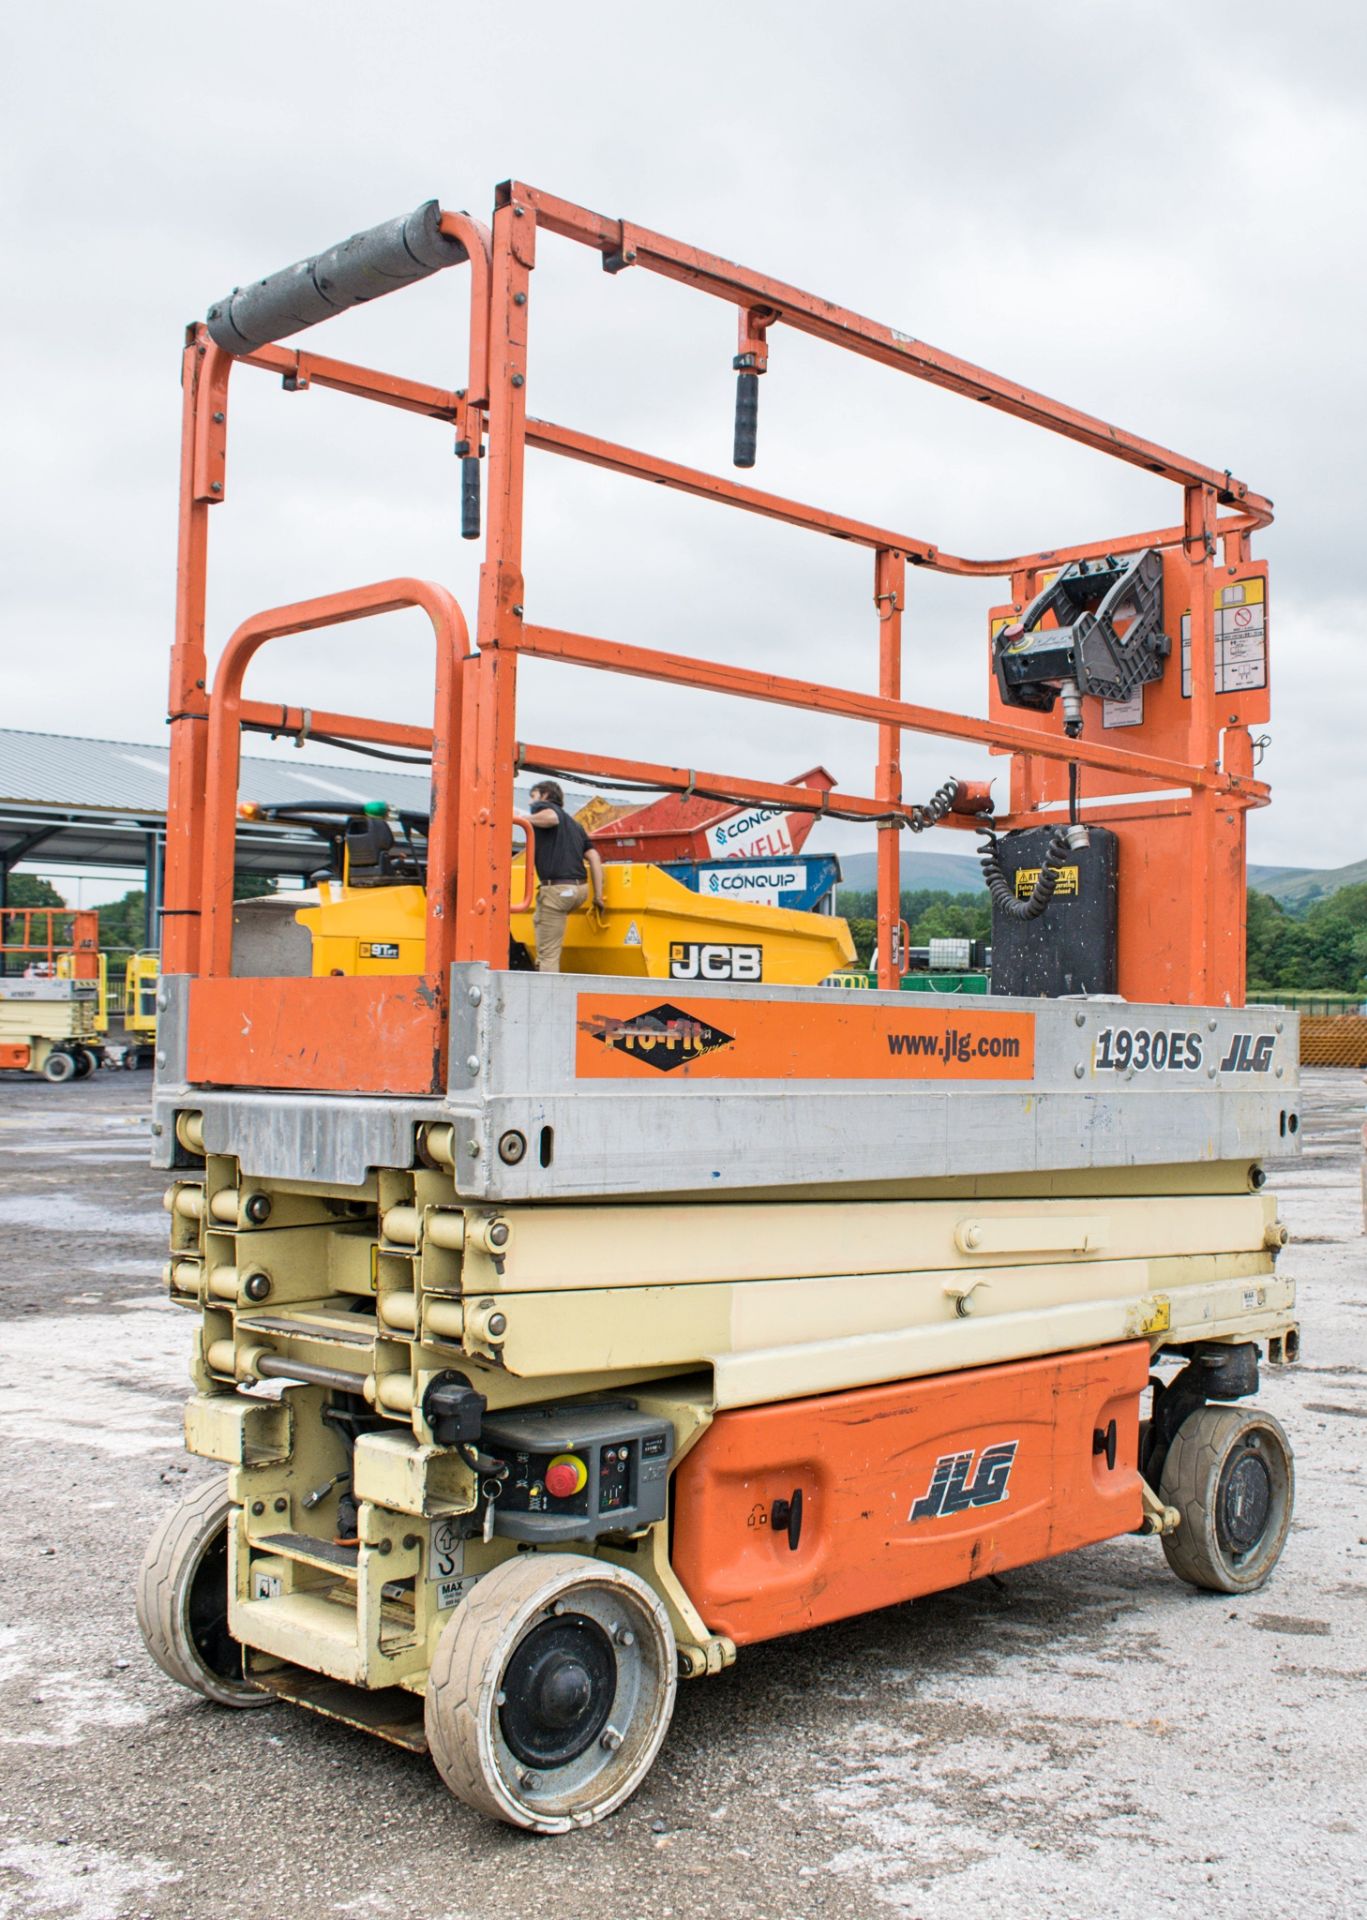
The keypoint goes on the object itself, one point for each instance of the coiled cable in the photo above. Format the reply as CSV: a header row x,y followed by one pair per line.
x,y
939,804
1000,888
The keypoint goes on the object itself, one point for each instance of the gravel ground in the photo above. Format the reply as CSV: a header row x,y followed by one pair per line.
x,y
1081,1738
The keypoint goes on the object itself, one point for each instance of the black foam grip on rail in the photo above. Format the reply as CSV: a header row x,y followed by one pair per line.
x,y
747,419
369,264
469,497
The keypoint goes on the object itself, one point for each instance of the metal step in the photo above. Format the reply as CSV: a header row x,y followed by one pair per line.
x,y
314,1553
390,1713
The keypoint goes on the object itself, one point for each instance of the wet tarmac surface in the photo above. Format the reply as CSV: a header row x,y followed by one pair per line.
x,y
1080,1738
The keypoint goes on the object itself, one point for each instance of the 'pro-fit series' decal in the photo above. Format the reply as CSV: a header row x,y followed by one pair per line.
x,y
619,1037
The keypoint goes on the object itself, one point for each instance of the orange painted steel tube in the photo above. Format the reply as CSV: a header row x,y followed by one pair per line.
x,y
889,598
549,436
648,663
837,805
224,750
263,716
840,326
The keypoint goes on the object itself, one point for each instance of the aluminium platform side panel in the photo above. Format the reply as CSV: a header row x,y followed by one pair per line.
x,y
773,1087
637,1089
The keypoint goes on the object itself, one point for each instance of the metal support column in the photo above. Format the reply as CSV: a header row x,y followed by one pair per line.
x,y
154,877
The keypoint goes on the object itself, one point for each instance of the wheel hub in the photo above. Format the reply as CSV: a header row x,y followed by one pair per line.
x,y
558,1690
1244,1503
207,1613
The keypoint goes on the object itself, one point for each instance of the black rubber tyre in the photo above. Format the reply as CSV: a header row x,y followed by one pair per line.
x,y
1229,1473
86,1063
59,1067
182,1600
551,1690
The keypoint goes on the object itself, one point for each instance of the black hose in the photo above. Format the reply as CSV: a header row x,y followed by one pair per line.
x,y
1000,888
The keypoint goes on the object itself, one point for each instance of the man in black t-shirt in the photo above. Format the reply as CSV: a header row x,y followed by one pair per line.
x,y
564,861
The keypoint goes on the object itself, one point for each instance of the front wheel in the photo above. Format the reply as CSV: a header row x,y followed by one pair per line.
x,y
58,1066
551,1690
1230,1475
182,1600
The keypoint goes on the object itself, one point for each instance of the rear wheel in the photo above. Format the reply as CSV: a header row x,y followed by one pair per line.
x,y
182,1600
86,1063
59,1066
551,1690
1230,1475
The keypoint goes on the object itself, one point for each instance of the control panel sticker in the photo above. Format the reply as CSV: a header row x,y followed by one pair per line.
x,y
1124,713
1240,639
619,1038
446,1558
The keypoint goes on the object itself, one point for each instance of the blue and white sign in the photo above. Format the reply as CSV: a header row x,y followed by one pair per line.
x,y
762,884
803,882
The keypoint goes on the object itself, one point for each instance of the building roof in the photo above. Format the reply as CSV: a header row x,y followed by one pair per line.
x,y
102,803
58,770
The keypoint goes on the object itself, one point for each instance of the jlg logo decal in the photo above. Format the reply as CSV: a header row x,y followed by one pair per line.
x,y
951,1490
695,960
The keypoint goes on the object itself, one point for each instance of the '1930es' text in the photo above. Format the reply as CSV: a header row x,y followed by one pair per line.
x,y
1178,1049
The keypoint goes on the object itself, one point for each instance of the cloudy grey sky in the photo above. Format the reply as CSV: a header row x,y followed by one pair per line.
x,y
1156,213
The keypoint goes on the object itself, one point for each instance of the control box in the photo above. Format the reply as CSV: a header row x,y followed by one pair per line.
x,y
577,1471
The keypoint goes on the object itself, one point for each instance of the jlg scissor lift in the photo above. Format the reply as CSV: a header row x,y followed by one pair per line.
x,y
51,991
561,1336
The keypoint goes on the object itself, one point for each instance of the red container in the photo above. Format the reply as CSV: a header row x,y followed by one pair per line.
x,y
680,827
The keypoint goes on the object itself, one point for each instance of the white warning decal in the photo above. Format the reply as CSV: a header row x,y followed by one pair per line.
x,y
1240,639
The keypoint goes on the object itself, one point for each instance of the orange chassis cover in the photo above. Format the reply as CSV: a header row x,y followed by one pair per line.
x,y
906,1489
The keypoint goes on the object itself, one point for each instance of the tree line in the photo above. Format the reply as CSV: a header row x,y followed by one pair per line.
x,y
930,913
1322,949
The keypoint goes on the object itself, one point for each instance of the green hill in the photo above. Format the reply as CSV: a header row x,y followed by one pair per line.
x,y
1297,888
949,872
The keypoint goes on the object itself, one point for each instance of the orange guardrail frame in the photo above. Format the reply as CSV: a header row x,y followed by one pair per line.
x,y
1188,773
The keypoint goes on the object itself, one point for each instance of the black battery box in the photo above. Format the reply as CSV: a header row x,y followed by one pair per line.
x,y
1070,948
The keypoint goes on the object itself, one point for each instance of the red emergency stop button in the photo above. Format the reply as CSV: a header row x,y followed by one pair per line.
x,y
566,1475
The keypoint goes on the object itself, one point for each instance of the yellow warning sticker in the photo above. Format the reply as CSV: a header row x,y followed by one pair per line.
x,y
1027,876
